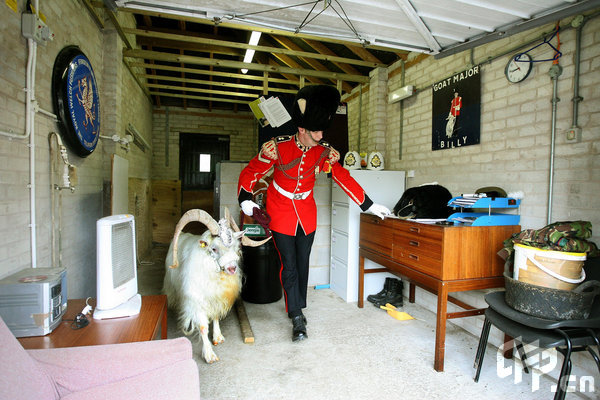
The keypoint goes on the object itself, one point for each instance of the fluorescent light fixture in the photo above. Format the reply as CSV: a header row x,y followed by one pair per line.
x,y
254,38
400,94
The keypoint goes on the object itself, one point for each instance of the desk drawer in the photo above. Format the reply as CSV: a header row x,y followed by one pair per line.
x,y
419,262
421,230
376,234
417,244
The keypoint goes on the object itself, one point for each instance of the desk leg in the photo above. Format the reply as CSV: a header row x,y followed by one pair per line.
x,y
163,324
440,327
361,280
411,292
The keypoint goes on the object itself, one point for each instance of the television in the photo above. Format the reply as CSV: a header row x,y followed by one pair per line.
x,y
116,268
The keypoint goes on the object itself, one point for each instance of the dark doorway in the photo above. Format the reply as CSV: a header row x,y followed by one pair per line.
x,y
198,157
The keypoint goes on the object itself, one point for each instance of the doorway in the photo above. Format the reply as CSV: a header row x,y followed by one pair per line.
x,y
198,157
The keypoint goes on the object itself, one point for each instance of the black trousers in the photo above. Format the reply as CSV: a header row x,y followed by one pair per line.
x,y
294,255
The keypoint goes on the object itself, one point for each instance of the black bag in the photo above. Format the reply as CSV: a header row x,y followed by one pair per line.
x,y
427,201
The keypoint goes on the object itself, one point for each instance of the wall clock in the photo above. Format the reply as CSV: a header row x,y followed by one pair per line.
x,y
76,100
517,71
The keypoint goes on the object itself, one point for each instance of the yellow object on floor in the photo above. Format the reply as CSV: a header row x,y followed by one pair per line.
x,y
399,315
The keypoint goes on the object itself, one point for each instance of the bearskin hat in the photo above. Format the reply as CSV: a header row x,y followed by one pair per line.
x,y
315,106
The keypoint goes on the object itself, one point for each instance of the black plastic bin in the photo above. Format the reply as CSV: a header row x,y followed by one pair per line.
x,y
261,270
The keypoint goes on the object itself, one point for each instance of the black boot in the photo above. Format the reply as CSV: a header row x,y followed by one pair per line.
x,y
374,298
298,328
393,295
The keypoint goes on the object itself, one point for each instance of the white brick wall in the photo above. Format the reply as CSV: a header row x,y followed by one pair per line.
x,y
241,128
72,25
515,136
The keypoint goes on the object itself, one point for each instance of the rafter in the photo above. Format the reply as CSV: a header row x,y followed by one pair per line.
x,y
332,57
156,55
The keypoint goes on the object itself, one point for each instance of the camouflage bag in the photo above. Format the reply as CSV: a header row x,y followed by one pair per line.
x,y
570,236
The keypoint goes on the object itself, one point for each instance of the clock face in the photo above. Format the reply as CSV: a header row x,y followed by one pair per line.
x,y
517,71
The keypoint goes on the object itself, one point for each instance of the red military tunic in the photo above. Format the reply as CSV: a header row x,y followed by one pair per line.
x,y
295,169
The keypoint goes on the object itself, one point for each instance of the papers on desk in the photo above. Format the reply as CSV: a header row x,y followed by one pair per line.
x,y
428,220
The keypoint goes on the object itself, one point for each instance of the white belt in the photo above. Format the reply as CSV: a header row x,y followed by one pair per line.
x,y
290,195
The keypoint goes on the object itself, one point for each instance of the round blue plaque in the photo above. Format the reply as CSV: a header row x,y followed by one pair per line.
x,y
76,100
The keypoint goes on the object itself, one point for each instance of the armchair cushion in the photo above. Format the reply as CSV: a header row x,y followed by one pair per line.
x,y
20,376
176,381
159,369
79,368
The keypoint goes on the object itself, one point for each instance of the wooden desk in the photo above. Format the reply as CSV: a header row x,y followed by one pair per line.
x,y
440,259
142,327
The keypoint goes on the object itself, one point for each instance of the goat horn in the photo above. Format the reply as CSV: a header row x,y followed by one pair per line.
x,y
229,218
246,241
191,216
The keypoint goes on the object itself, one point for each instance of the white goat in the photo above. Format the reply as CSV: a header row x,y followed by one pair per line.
x,y
204,279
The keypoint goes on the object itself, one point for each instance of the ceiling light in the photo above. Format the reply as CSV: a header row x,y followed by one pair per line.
x,y
254,38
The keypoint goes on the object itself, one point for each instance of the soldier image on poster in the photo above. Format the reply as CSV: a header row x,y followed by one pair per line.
x,y
459,126
453,114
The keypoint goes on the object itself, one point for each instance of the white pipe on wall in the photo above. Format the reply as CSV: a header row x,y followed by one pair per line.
x,y
30,99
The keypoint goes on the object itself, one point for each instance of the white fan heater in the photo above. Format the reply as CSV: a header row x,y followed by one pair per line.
x,y
117,290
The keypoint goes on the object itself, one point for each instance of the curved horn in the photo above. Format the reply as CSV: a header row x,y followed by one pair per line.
x,y
229,218
190,216
246,241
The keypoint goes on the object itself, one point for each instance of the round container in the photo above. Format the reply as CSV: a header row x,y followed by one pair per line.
x,y
550,303
261,269
548,268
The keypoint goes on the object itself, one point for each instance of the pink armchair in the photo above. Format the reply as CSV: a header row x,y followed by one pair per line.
x,y
160,369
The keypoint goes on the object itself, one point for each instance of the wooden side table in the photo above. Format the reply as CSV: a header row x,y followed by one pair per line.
x,y
138,328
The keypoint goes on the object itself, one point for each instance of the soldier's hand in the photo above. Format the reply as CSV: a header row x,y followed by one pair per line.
x,y
379,210
248,207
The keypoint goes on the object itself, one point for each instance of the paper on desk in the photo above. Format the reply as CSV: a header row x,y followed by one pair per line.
x,y
428,220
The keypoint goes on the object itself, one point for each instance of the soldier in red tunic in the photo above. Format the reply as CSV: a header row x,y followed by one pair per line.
x,y
296,161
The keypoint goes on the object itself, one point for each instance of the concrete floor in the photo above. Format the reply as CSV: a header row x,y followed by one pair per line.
x,y
350,353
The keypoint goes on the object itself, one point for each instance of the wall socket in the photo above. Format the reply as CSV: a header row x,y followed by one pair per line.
x,y
410,173
574,134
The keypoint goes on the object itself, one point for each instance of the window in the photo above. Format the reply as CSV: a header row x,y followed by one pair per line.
x,y
204,163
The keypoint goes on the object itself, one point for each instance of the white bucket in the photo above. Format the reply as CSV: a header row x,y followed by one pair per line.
x,y
548,268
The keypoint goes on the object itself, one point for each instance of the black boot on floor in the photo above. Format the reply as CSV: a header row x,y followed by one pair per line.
x,y
374,298
298,328
393,295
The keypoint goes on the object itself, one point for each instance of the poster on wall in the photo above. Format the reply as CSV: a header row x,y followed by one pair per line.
x,y
456,110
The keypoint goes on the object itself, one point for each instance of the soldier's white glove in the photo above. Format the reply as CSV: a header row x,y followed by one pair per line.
x,y
248,206
379,210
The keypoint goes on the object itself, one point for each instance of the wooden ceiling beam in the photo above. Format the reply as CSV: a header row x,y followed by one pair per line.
x,y
170,44
188,96
321,48
201,90
289,76
287,43
214,83
270,31
290,62
292,81
266,49
160,56
363,53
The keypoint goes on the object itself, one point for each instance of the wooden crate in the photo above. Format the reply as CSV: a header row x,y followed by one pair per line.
x,y
166,209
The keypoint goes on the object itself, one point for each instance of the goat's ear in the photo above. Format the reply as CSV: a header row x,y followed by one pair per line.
x,y
239,234
202,243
